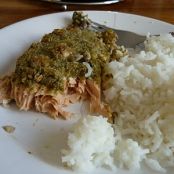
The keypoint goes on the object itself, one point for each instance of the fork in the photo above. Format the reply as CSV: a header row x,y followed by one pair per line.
x,y
126,38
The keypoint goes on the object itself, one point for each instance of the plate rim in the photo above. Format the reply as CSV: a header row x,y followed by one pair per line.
x,y
86,11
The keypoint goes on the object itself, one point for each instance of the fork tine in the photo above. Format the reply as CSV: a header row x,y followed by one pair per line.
x,y
100,26
97,28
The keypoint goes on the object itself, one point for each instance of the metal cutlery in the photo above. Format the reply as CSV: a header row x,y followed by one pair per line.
x,y
84,2
126,38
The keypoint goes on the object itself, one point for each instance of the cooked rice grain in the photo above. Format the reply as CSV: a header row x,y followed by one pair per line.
x,y
141,93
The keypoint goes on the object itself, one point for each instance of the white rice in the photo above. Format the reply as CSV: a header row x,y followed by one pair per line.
x,y
88,74
90,144
128,154
142,94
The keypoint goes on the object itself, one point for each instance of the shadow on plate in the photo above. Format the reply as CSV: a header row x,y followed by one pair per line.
x,y
48,147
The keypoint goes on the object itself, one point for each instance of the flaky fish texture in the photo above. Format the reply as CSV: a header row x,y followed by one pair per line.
x,y
66,66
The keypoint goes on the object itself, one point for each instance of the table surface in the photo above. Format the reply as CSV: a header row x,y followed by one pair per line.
x,y
12,11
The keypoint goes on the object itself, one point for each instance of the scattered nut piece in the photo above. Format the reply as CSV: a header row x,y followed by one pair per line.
x,y
8,128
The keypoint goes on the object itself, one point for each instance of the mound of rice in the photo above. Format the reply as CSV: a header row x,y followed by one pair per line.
x,y
128,154
142,95
91,143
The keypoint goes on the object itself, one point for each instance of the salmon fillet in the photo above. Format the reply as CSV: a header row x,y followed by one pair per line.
x,y
65,67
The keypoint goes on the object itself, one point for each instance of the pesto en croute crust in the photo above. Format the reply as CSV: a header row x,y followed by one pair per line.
x,y
60,55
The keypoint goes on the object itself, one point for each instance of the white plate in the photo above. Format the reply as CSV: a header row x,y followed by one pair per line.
x,y
35,132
